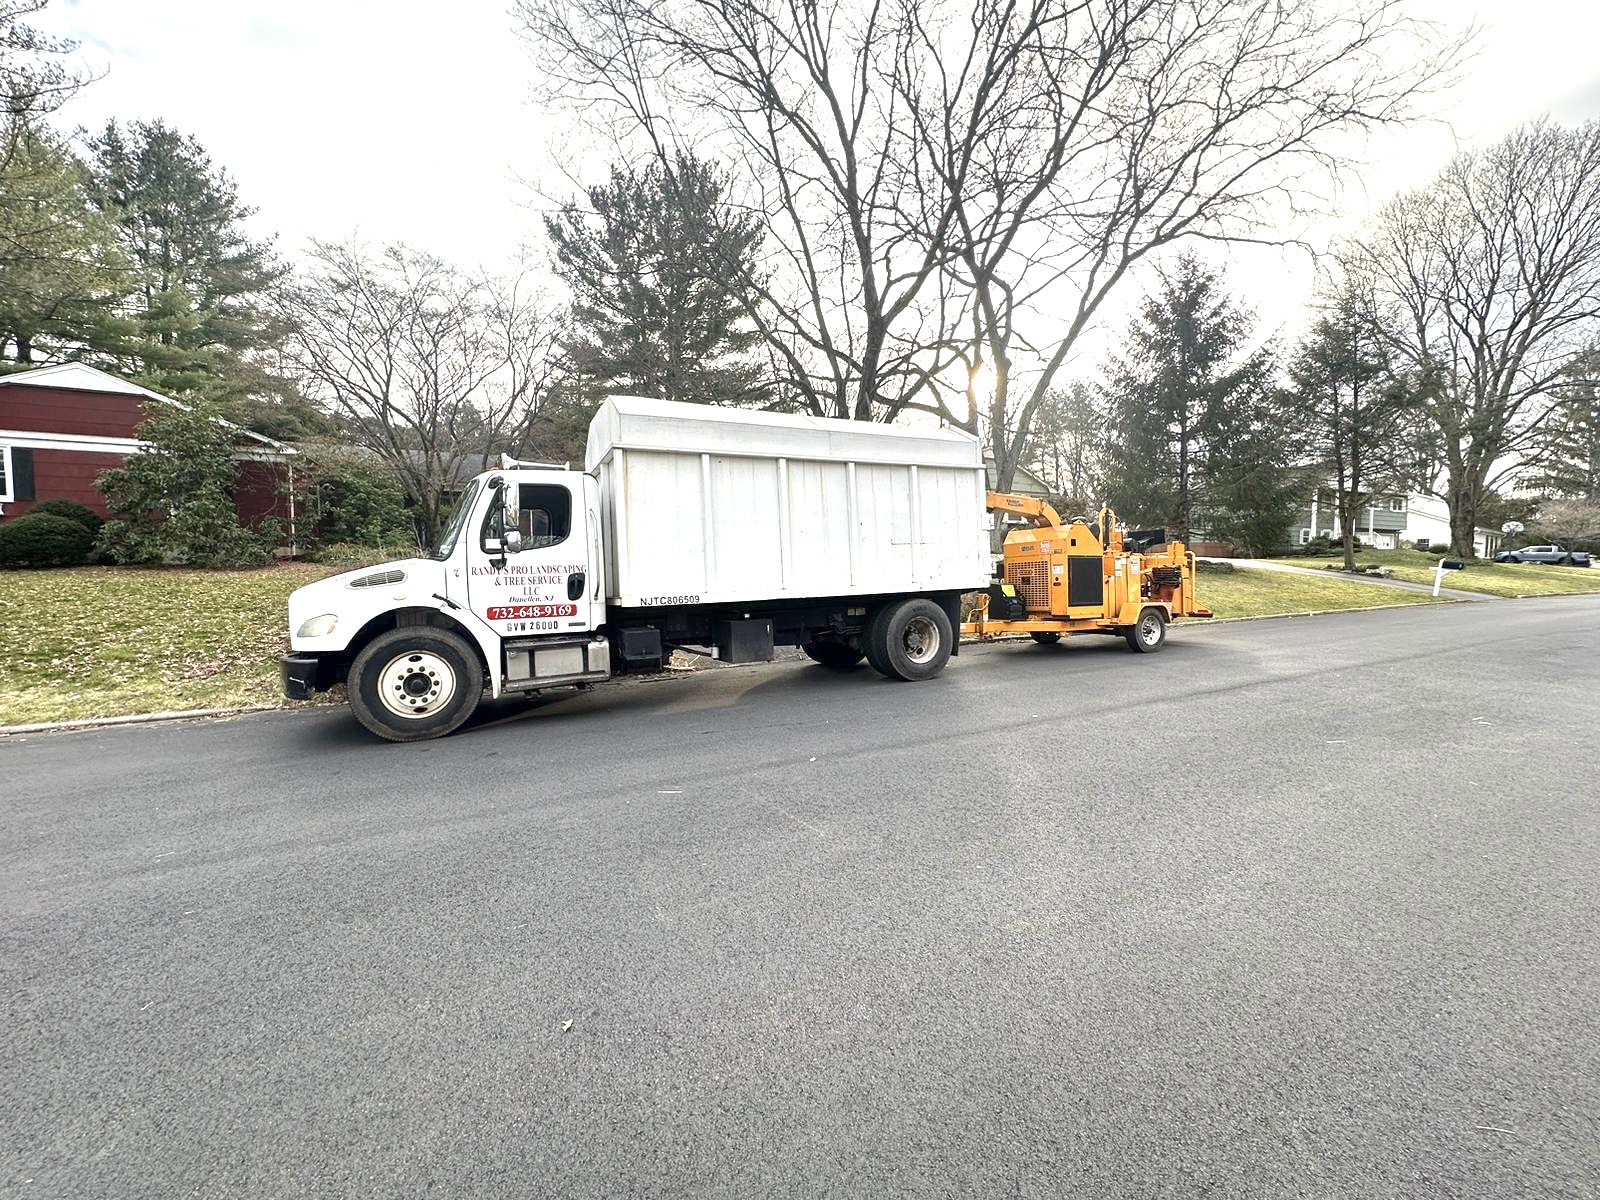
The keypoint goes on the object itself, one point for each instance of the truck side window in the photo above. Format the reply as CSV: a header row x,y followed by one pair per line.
x,y
544,512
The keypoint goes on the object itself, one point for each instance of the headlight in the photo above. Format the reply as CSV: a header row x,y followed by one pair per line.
x,y
318,626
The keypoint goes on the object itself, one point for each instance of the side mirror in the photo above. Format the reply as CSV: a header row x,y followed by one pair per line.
x,y
513,540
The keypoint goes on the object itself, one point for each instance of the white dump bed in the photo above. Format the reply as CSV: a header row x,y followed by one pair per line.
x,y
703,505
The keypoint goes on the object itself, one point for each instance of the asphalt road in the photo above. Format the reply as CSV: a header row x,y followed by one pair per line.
x,y
1295,908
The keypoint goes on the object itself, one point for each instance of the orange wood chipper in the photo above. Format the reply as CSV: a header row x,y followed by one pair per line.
x,y
1059,578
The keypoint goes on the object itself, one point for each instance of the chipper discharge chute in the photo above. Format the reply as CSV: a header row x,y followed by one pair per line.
x,y
1061,578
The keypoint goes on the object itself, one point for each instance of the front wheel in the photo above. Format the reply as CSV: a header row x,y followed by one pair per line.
x,y
415,683
1045,639
1149,634
911,640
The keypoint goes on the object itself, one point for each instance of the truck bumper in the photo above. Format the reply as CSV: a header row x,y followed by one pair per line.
x,y
303,676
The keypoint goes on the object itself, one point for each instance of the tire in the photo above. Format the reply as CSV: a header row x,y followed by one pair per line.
x,y
1149,634
1046,639
912,639
836,656
412,684
872,640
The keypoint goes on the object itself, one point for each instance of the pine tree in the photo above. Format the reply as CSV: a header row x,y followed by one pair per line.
x,y
61,274
1569,456
1249,492
1193,436
650,265
200,307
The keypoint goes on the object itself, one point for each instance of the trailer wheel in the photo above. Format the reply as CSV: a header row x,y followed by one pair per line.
x,y
836,656
1149,634
912,639
415,683
1045,639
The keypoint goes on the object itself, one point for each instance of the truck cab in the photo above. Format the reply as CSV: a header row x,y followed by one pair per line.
x,y
511,600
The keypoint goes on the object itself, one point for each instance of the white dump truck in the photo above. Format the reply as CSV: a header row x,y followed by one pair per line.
x,y
724,531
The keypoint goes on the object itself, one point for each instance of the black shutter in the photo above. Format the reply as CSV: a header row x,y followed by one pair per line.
x,y
22,470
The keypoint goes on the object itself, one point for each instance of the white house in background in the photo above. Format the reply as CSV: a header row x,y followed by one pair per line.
x,y
1388,523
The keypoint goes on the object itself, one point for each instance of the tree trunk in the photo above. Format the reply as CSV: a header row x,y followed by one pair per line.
x,y
1347,529
24,348
1463,520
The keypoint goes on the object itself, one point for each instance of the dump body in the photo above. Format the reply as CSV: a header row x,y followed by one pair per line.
x,y
704,505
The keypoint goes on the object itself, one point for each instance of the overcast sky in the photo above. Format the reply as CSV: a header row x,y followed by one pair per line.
x,y
410,120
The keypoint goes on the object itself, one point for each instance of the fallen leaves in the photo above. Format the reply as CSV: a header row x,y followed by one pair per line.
x,y
110,641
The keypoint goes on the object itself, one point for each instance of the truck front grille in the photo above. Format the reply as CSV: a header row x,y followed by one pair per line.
x,y
1031,578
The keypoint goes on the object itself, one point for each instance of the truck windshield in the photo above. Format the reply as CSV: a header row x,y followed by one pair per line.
x,y
452,529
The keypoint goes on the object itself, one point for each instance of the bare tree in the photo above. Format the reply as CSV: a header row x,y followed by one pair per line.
x,y
954,189
429,367
1068,437
1573,524
799,98
1489,283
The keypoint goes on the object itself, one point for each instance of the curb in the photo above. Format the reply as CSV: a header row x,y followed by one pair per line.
x,y
188,714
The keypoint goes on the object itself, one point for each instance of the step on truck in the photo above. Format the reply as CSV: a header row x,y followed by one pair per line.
x,y
721,531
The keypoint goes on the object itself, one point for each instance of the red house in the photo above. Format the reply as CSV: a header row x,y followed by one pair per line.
x,y
61,426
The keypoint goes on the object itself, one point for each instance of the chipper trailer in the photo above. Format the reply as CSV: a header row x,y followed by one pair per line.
x,y
721,531
1084,577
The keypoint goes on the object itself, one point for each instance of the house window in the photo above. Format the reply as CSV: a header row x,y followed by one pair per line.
x,y
7,476
1397,504
1305,537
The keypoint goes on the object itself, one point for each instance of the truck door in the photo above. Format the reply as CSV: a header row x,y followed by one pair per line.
x,y
530,570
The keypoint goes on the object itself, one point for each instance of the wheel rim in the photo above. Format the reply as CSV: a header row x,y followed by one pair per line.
x,y
416,684
921,640
1150,629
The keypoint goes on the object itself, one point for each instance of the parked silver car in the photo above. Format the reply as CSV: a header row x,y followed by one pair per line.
x,y
1550,556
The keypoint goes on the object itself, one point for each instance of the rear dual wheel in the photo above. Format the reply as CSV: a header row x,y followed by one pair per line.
x,y
910,640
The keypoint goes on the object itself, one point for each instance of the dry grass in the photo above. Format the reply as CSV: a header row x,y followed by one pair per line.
x,y
106,642
1490,578
1265,593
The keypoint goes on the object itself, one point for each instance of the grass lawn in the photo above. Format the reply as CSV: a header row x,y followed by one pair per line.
x,y
110,642
1492,578
1247,593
